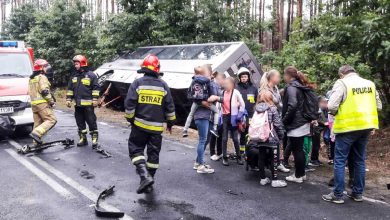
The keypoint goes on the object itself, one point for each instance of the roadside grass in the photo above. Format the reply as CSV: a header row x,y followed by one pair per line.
x,y
378,151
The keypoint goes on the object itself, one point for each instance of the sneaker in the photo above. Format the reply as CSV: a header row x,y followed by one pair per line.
x,y
225,161
185,133
204,169
355,197
214,132
265,181
309,169
332,198
315,163
214,157
330,162
283,169
292,178
286,165
278,183
196,166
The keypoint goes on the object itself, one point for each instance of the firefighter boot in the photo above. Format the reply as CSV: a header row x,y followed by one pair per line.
x,y
95,138
150,188
36,138
83,138
146,179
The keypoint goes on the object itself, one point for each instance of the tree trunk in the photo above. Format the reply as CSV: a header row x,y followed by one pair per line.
x,y
281,23
275,30
299,11
288,23
261,21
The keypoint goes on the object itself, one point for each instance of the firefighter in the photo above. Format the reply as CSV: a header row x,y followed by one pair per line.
x,y
42,101
249,94
148,105
83,89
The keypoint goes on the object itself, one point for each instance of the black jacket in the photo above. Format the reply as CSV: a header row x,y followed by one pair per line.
x,y
292,115
83,88
249,94
149,103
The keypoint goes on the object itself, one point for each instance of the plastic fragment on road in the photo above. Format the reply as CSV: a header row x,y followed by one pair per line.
x,y
106,214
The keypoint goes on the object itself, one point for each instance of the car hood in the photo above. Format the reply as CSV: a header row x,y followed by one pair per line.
x,y
13,86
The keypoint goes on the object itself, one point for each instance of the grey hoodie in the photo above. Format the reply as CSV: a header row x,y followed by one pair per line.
x,y
275,121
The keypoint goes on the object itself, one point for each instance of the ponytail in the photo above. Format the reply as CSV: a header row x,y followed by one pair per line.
x,y
266,77
298,75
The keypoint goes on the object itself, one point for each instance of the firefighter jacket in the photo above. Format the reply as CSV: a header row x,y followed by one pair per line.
x,y
83,88
249,94
149,103
39,91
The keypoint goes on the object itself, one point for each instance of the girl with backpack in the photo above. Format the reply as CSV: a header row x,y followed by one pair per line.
x,y
297,114
265,133
233,108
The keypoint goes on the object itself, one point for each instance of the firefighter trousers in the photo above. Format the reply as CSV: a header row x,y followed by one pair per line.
x,y
85,115
44,119
140,139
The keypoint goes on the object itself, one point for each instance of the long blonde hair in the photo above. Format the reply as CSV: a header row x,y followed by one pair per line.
x,y
266,78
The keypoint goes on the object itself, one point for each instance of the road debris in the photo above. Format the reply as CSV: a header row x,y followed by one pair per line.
x,y
106,214
26,149
86,175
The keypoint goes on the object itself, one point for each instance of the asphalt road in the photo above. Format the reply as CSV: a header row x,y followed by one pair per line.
x,y
49,185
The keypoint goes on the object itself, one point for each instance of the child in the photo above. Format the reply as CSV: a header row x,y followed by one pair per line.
x,y
263,152
200,90
322,126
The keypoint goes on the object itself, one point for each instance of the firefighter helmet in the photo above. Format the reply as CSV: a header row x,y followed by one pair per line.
x,y
151,62
81,59
39,64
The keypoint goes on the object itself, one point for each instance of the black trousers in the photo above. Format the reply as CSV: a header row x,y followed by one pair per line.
x,y
85,115
315,151
227,126
216,142
138,141
296,146
263,157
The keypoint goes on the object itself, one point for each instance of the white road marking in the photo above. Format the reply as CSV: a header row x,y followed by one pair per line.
x,y
178,143
81,189
41,175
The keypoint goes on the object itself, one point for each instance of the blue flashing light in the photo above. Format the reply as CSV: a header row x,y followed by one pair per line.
x,y
8,44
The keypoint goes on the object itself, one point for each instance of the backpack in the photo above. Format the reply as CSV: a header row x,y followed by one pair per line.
x,y
198,91
310,104
260,127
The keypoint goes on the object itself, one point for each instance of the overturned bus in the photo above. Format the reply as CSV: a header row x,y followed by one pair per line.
x,y
177,64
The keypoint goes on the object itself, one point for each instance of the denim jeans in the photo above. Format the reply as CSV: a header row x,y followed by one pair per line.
x,y
350,143
203,131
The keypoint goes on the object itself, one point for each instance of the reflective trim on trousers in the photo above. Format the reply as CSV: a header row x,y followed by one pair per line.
x,y
152,165
137,158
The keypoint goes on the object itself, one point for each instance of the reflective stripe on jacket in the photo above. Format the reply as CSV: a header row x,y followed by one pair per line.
x,y
359,110
83,88
39,90
149,104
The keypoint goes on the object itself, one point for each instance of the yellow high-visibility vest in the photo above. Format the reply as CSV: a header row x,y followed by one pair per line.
x,y
359,110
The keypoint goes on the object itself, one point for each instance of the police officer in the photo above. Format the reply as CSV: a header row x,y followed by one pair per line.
x,y
42,101
354,102
83,88
249,94
148,105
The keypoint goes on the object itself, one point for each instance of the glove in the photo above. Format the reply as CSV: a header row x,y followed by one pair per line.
x,y
68,104
52,104
95,103
169,127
